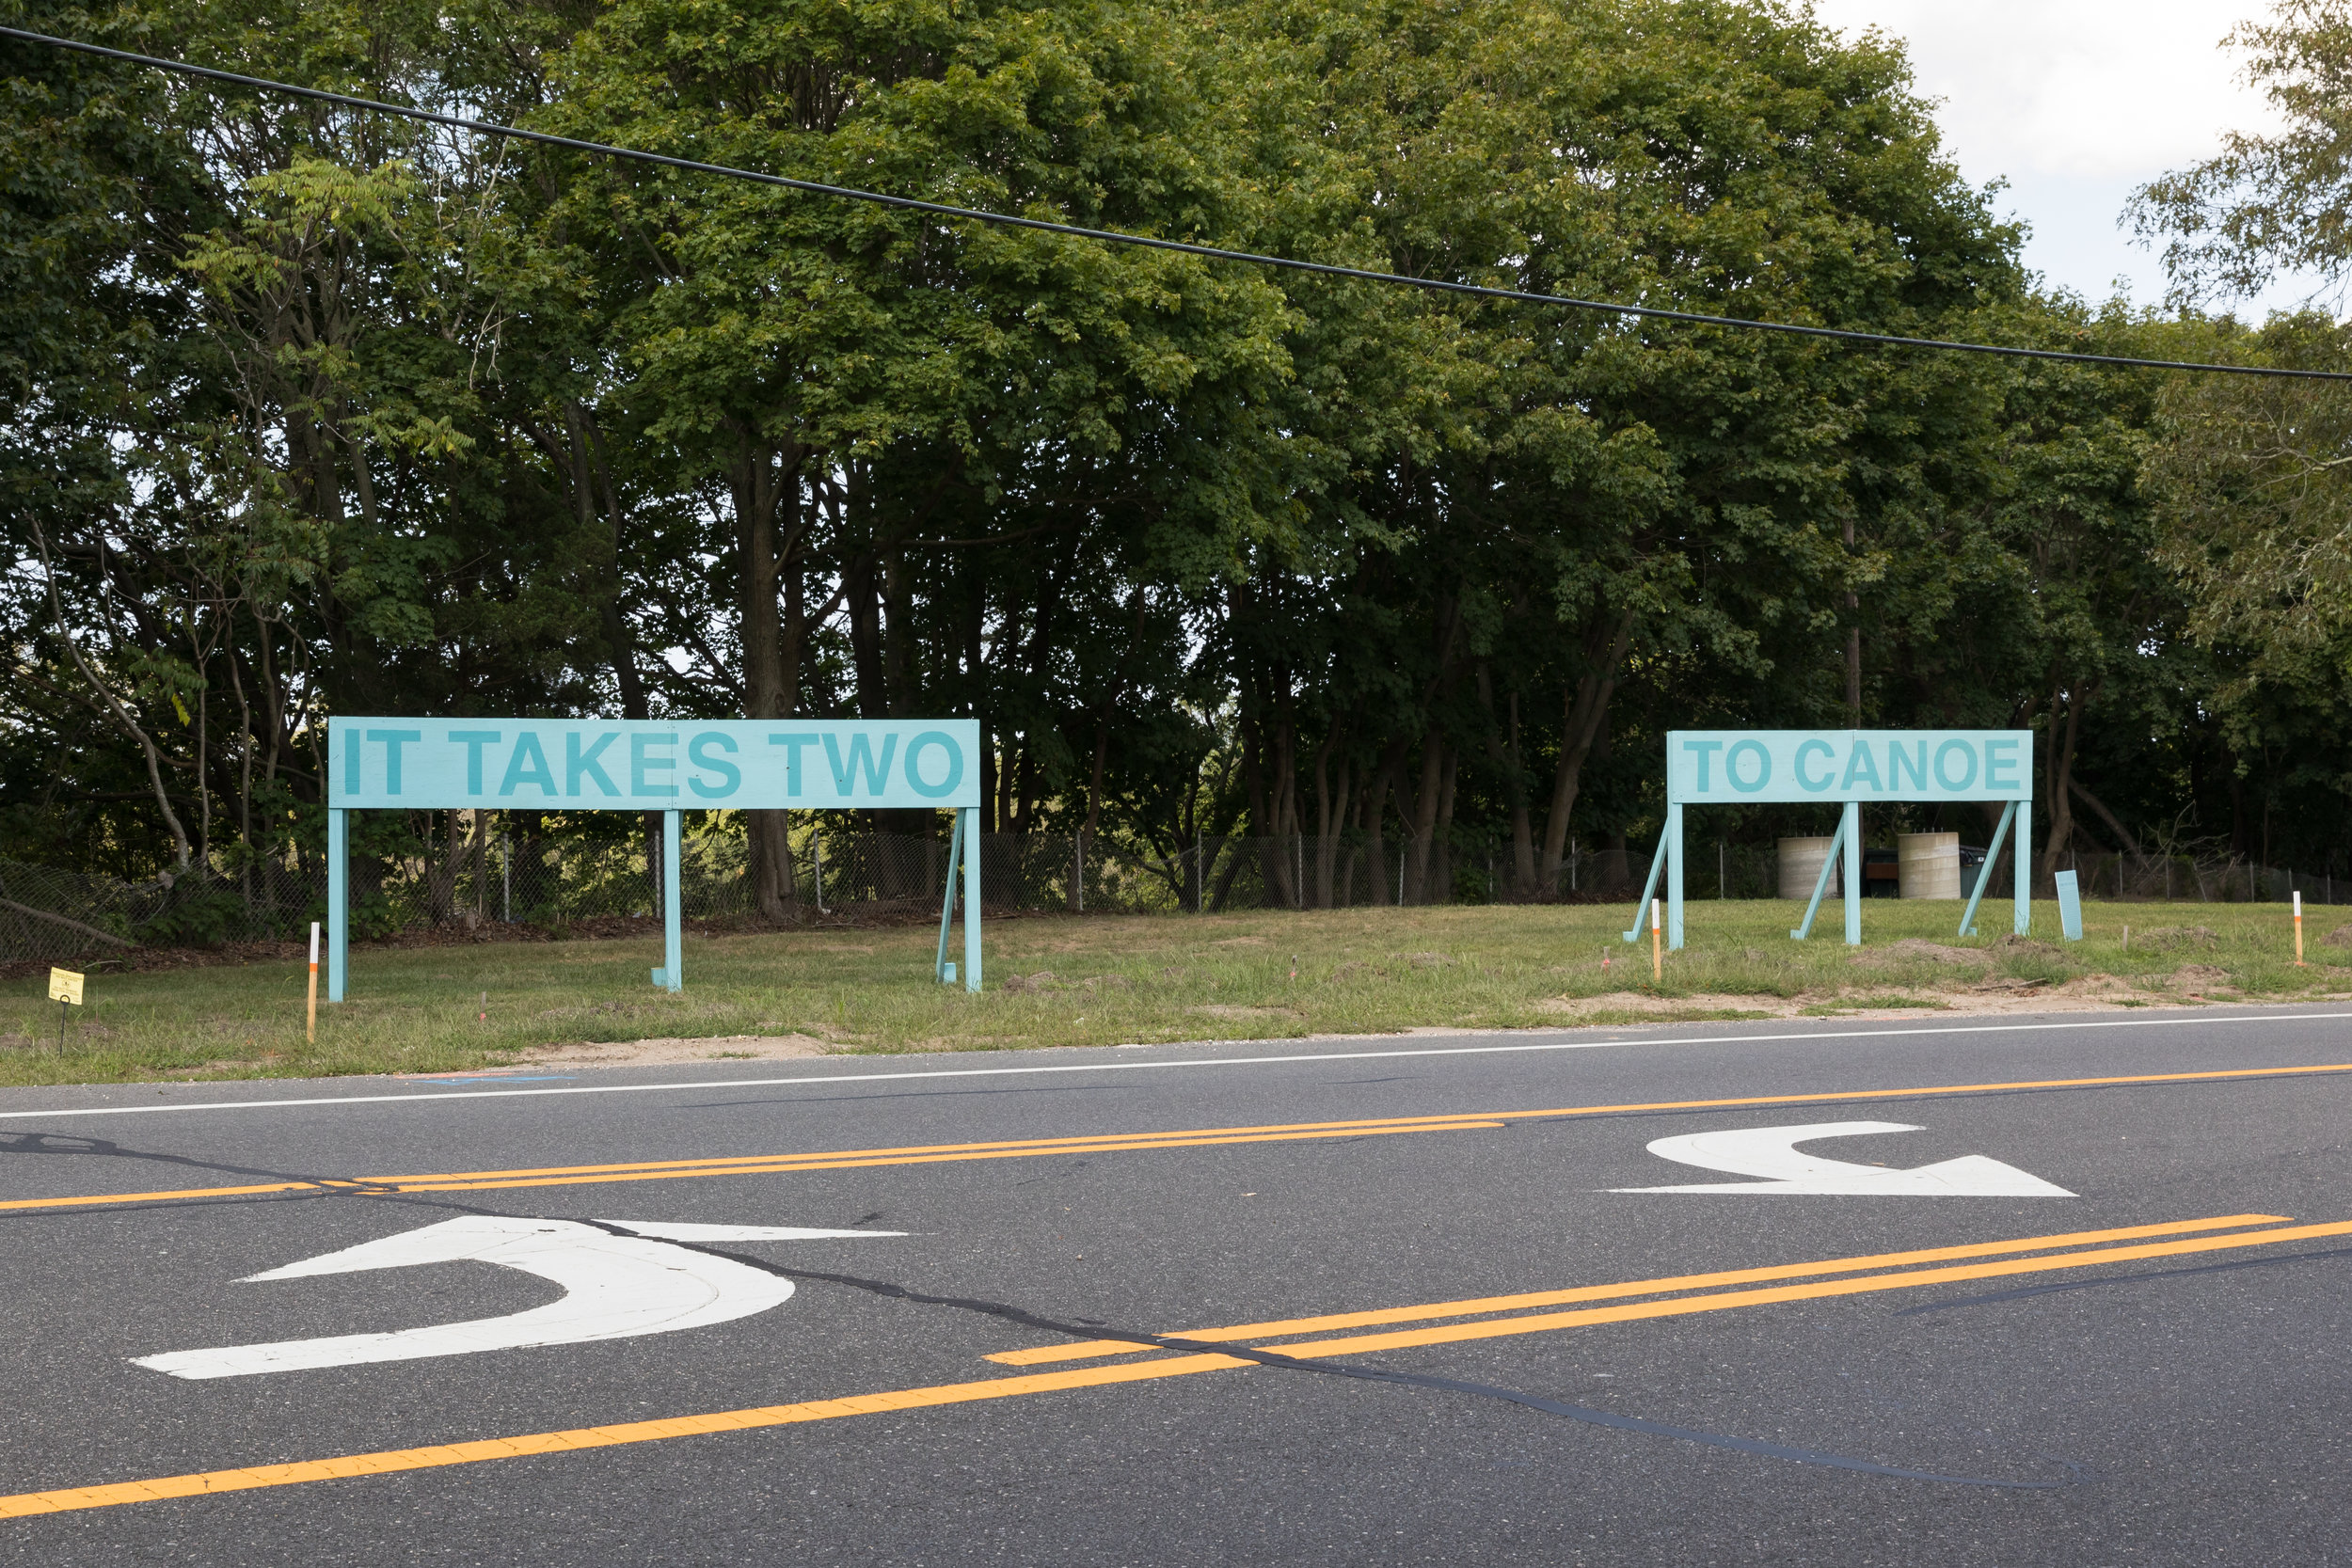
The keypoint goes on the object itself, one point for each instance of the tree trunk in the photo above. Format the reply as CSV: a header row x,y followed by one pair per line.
x,y
1271,808
1286,825
1093,815
592,477
1374,807
1605,646
1423,815
1503,752
1440,888
761,474
1330,815
1854,643
2123,835
2058,776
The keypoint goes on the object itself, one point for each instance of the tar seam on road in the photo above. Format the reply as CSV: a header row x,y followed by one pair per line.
x,y
707,1085
2025,1290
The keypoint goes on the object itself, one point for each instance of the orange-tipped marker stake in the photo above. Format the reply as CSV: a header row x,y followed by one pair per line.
x,y
1657,947
2298,931
310,1029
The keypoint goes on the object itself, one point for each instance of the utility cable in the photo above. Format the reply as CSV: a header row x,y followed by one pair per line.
x,y
1113,236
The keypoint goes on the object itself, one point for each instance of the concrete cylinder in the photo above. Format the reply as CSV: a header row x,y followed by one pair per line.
x,y
1929,864
1801,868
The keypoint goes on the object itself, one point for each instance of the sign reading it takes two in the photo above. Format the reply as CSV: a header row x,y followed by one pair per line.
x,y
1740,766
652,764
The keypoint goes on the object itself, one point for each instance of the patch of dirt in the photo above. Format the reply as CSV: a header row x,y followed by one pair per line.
x,y
673,1051
2167,937
2091,993
2196,977
1107,982
1426,961
2340,937
2096,985
1915,947
1645,1003
2016,943
1227,1009
1022,984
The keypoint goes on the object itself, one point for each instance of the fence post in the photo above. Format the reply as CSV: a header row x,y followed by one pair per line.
x,y
506,878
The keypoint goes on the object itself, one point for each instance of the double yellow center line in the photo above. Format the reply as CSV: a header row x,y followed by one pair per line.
x,y
1024,1149
1486,1317
1523,1321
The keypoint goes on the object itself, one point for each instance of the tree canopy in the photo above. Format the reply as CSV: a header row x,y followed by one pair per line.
x,y
316,411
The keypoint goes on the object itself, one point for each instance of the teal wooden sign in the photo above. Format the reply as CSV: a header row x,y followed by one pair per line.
x,y
1854,768
652,764
1738,768
669,766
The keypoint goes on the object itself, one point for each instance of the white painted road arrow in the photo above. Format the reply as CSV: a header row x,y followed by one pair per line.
x,y
616,1287
1770,1152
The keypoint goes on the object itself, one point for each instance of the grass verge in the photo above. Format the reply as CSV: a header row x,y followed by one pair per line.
x,y
1122,980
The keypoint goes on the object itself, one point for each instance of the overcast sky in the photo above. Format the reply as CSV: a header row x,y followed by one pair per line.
x,y
2077,103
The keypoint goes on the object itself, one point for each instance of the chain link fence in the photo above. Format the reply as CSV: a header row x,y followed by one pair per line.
x,y
491,877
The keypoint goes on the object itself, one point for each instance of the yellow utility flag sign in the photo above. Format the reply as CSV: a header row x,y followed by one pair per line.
x,y
65,985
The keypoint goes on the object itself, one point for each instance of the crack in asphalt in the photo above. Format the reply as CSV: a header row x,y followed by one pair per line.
x,y
2025,1290
57,1144
1095,1329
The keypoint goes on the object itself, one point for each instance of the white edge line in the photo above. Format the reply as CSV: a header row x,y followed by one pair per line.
x,y
419,1099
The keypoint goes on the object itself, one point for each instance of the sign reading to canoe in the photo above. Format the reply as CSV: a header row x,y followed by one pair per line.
x,y
642,765
1729,767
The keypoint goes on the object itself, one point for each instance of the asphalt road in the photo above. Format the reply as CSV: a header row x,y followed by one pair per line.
x,y
1461,1342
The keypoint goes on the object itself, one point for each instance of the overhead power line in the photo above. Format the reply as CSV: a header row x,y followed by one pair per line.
x,y
1113,236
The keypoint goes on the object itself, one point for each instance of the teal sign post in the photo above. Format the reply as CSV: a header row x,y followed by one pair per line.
x,y
1737,767
667,766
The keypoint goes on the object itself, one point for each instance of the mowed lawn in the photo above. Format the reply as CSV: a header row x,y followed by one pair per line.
x,y
1107,980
